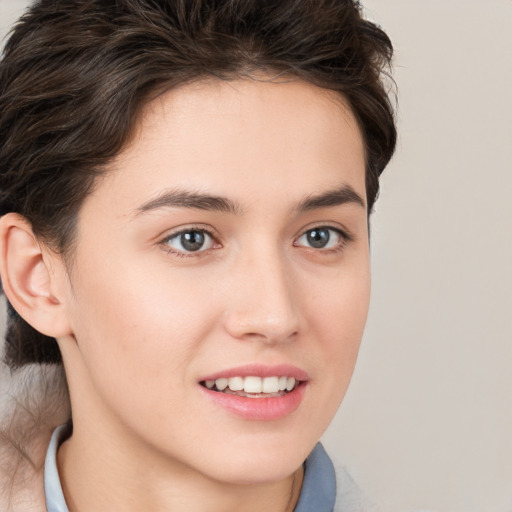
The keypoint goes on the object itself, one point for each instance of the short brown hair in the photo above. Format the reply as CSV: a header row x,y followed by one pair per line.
x,y
75,73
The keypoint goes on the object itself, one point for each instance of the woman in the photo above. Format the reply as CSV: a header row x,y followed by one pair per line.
x,y
185,192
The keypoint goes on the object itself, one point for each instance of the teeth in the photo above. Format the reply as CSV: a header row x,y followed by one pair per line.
x,y
270,385
236,383
253,384
221,384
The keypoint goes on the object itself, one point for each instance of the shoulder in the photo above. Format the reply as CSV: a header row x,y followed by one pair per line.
x,y
349,495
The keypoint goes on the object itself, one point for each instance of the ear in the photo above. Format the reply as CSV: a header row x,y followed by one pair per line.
x,y
32,277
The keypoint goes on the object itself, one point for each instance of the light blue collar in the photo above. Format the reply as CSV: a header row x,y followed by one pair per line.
x,y
318,491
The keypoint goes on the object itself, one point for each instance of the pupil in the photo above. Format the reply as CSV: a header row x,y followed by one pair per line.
x,y
318,238
192,241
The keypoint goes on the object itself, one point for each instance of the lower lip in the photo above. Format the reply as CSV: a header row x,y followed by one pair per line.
x,y
272,408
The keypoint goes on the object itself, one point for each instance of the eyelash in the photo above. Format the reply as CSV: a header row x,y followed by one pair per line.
x,y
344,239
184,254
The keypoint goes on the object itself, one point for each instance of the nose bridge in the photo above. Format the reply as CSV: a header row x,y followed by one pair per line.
x,y
264,304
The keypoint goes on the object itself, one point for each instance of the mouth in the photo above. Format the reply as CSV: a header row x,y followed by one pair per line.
x,y
253,386
257,392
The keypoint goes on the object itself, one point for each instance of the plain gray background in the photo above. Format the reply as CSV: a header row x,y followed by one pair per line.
x,y
427,421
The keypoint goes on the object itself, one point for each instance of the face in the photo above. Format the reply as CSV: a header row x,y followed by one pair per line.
x,y
220,283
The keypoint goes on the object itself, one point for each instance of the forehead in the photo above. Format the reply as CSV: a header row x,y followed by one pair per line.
x,y
243,137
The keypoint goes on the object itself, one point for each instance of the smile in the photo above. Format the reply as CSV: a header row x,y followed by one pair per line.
x,y
253,386
255,391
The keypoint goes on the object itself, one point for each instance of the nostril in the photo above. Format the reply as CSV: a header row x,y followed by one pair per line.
x,y
269,337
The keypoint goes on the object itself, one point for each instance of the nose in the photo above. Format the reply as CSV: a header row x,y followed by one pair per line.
x,y
262,301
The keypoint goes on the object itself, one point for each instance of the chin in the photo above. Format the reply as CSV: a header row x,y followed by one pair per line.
x,y
258,461
248,473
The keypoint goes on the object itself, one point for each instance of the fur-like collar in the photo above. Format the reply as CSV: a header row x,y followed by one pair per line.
x,y
33,401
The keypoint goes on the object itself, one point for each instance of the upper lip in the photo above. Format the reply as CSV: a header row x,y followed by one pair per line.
x,y
258,370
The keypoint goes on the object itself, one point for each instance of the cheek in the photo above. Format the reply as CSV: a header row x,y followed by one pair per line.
x,y
338,303
338,315
130,324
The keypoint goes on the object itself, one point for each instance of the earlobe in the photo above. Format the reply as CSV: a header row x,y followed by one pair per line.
x,y
27,278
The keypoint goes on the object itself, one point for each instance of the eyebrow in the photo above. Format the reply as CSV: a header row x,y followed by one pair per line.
x,y
343,195
195,200
189,199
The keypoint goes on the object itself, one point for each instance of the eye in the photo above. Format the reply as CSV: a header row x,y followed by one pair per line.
x,y
322,237
190,240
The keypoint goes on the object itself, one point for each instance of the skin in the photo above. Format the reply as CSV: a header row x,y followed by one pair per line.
x,y
147,321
